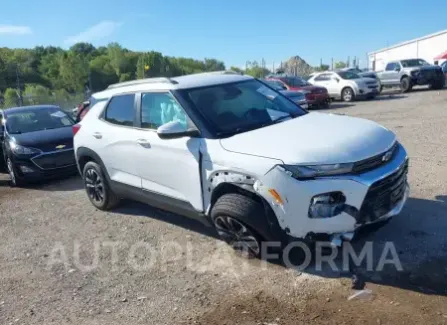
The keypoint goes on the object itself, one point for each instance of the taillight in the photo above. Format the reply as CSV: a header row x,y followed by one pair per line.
x,y
76,128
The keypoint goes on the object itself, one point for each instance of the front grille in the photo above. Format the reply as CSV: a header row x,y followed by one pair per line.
x,y
371,83
383,195
55,160
430,73
373,162
372,87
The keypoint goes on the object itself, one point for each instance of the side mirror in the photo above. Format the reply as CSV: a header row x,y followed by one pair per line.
x,y
336,79
397,69
175,130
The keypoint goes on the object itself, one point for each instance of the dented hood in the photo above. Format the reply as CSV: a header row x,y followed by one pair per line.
x,y
314,138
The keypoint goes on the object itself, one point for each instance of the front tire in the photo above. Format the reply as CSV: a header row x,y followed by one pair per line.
x,y
229,216
14,181
98,189
347,94
405,85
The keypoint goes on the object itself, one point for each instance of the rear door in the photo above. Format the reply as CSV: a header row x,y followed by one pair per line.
x,y
387,74
114,138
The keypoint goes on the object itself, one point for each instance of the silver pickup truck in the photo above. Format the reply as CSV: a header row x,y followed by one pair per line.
x,y
411,72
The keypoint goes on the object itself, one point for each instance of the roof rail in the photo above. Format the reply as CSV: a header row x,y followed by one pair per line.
x,y
142,81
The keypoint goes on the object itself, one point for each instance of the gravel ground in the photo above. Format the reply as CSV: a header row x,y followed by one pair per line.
x,y
64,262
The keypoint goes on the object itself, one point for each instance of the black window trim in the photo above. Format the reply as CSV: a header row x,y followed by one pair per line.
x,y
200,121
102,115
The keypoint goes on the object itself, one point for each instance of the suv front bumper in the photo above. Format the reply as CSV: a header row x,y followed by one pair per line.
x,y
371,197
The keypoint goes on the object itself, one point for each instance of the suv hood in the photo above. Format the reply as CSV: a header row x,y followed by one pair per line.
x,y
314,138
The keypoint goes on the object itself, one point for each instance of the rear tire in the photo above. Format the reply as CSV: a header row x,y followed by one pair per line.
x,y
405,85
98,189
347,94
230,216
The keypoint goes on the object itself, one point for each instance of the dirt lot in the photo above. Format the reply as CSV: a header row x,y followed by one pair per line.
x,y
63,262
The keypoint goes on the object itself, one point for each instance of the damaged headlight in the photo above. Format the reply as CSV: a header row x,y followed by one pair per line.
x,y
311,171
326,205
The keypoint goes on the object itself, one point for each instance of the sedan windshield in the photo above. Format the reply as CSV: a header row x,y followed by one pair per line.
x,y
348,75
238,107
277,85
413,63
36,119
296,82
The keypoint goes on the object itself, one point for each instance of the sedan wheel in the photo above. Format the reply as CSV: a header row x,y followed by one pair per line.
x,y
347,95
11,172
237,235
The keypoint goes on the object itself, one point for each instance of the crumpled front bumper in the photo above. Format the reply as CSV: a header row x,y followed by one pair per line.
x,y
293,212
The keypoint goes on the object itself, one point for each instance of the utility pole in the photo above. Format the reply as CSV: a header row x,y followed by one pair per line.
x,y
19,90
90,80
332,63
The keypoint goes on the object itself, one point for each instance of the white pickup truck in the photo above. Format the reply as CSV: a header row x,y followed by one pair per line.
x,y
411,72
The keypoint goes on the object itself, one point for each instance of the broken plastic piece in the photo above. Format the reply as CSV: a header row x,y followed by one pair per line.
x,y
361,294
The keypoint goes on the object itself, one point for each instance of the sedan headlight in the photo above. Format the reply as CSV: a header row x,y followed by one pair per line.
x,y
23,151
312,171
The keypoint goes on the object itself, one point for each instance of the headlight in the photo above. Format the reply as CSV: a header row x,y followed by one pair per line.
x,y
305,172
326,205
21,150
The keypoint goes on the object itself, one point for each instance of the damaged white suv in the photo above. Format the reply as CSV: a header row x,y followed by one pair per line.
x,y
229,148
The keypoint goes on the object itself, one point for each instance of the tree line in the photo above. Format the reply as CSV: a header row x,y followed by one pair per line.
x,y
33,76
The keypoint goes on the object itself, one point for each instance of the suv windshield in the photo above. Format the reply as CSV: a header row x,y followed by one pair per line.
x,y
348,75
242,106
413,63
36,119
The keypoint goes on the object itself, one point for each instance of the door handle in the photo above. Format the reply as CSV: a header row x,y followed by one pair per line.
x,y
97,135
144,143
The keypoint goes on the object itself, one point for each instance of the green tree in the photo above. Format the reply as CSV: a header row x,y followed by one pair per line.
x,y
36,94
340,65
73,71
236,69
102,73
10,98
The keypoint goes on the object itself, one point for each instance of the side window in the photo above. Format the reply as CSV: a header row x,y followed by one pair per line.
x,y
120,110
160,108
389,67
322,77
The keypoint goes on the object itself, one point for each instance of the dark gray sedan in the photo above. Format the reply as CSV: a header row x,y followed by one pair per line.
x,y
298,97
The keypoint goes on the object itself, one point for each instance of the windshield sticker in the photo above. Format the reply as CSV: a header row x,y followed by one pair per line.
x,y
59,114
267,92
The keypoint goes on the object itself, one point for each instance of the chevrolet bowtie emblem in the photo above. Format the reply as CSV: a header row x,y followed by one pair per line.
x,y
61,146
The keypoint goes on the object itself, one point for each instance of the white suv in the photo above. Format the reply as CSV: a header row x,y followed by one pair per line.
x,y
346,85
229,148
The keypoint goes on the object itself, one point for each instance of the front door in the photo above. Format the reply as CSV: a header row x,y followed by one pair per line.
x,y
168,167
